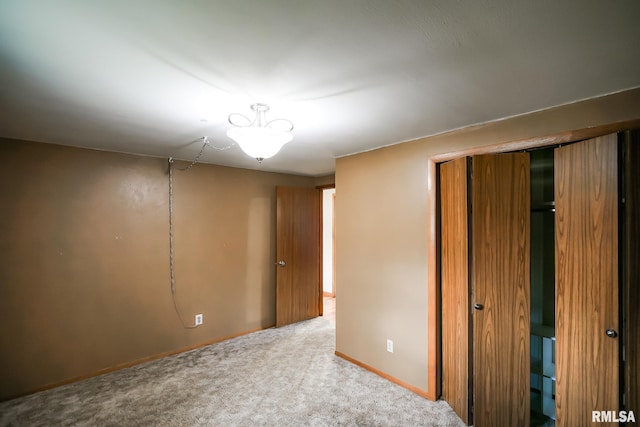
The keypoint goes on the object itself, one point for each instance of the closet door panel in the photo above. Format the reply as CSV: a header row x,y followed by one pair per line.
x,y
454,279
501,287
587,360
632,270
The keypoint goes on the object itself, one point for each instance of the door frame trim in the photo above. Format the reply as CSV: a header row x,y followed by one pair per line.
x,y
433,273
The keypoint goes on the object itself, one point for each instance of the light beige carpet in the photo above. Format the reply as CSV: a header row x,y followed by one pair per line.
x,y
277,377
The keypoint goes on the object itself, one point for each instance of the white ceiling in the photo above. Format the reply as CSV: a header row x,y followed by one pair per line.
x,y
152,77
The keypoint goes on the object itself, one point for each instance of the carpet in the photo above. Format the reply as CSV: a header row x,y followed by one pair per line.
x,y
287,376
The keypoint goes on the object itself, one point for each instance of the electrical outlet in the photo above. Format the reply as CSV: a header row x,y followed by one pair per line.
x,y
390,346
199,320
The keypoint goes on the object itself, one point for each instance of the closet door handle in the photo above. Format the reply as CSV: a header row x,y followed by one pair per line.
x,y
478,306
611,333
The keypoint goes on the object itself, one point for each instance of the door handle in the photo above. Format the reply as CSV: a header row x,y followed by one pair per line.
x,y
478,306
281,263
611,333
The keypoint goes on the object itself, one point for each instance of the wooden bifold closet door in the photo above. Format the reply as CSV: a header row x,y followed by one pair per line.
x,y
454,277
587,341
494,366
501,289
485,278
631,245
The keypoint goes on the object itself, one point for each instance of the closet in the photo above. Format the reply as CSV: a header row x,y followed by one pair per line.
x,y
539,283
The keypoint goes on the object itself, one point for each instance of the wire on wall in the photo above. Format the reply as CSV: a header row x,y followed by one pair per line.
x,y
172,166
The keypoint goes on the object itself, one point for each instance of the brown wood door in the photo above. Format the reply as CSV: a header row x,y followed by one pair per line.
x,y
632,271
454,287
587,360
501,285
298,292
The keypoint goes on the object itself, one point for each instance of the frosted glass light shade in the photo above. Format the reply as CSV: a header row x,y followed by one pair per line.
x,y
259,142
259,138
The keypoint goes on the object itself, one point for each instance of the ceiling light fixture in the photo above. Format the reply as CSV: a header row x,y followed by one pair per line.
x,y
259,138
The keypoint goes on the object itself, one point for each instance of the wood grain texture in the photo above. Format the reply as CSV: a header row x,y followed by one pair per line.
x,y
632,270
433,362
586,197
501,283
454,291
434,365
297,244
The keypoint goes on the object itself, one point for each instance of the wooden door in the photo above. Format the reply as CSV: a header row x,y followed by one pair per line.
x,y
587,360
501,289
298,287
454,287
632,271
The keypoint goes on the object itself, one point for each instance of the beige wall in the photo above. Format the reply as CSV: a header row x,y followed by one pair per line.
x,y
84,259
382,232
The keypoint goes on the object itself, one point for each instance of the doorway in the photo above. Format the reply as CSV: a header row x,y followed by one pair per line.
x,y
328,252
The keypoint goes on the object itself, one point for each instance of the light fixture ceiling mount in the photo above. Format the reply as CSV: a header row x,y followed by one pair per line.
x,y
259,138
